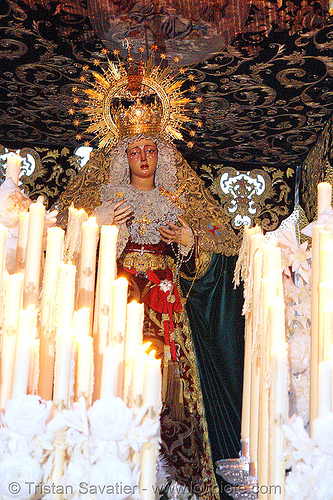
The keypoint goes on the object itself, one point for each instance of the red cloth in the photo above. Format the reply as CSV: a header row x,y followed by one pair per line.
x,y
164,298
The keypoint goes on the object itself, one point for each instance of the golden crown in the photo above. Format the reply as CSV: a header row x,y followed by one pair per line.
x,y
138,119
129,100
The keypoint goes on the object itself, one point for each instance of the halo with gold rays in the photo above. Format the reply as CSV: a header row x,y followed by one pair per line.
x,y
117,81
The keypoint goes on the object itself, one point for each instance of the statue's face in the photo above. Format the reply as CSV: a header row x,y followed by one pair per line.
x,y
142,157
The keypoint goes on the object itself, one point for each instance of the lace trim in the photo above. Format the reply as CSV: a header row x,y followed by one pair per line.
x,y
151,210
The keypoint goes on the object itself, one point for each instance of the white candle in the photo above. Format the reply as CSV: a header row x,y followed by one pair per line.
x,y
246,400
109,372
58,469
105,278
53,257
22,241
133,340
257,241
326,256
81,323
21,366
54,254
34,253
7,368
324,191
84,370
108,251
119,310
255,362
325,388
279,393
103,302
66,294
34,369
148,471
278,417
328,332
268,296
3,239
316,252
138,376
118,327
152,384
74,234
13,300
325,299
87,265
27,322
271,256
13,167
64,364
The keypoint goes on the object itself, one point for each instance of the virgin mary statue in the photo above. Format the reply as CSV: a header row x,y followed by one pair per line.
x,y
178,252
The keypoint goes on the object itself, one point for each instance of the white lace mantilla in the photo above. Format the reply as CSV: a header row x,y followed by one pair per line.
x,y
151,211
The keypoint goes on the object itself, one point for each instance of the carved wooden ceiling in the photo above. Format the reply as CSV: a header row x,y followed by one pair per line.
x,y
262,70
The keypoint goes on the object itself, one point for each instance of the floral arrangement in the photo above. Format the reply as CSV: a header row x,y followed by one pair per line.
x,y
100,447
310,460
296,266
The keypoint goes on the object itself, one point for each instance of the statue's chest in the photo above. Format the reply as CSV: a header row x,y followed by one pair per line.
x,y
150,213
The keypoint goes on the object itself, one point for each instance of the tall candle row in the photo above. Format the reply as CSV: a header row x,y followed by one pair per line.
x,y
321,309
117,336
265,385
265,377
68,333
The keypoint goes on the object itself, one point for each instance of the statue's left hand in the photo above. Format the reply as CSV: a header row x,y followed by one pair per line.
x,y
174,233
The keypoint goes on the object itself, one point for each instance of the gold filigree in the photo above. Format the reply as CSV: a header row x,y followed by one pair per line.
x,y
174,197
313,171
111,120
143,221
84,189
205,216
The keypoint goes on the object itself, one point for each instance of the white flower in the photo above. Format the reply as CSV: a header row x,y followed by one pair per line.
x,y
300,483
301,385
109,418
299,352
27,415
12,202
22,469
302,446
138,435
76,471
124,449
75,439
110,449
324,469
323,433
112,478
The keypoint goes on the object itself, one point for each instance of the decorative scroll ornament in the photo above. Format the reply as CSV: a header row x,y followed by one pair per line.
x,y
134,98
243,194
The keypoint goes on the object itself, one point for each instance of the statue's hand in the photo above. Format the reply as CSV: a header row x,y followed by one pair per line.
x,y
122,213
175,233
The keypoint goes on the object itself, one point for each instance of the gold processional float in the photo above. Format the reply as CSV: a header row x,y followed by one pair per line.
x,y
70,336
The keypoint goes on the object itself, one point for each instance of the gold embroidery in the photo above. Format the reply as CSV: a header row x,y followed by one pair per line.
x,y
174,197
142,263
144,222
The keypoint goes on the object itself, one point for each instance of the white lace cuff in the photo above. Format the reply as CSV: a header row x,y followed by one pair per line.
x,y
185,249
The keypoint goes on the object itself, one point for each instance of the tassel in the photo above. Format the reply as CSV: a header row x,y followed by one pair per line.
x,y
174,390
